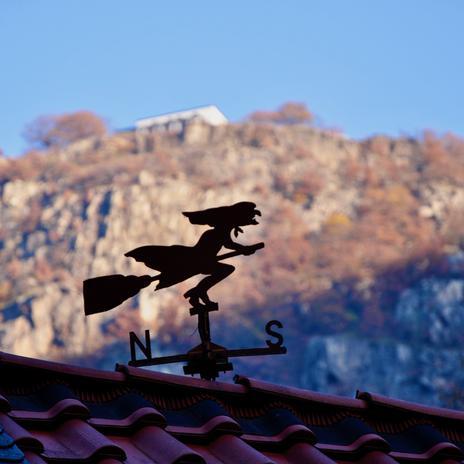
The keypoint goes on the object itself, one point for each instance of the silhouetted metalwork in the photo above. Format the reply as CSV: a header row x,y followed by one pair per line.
x,y
177,263
207,359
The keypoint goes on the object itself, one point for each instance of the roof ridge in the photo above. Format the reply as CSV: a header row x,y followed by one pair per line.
x,y
67,369
300,394
241,385
376,399
178,380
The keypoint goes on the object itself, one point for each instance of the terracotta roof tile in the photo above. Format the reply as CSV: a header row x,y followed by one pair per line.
x,y
212,427
33,458
205,453
423,442
291,433
140,416
375,457
126,411
22,437
231,450
155,442
68,407
76,440
301,452
132,452
134,416
197,414
152,444
435,453
349,436
9,452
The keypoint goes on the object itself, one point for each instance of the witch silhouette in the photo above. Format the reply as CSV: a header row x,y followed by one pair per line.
x,y
177,263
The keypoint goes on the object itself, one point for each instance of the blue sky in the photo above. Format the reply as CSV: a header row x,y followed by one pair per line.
x,y
384,66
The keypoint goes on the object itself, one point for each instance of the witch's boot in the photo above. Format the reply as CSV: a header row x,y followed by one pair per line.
x,y
196,294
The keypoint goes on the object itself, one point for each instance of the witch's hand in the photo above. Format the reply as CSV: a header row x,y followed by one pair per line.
x,y
248,250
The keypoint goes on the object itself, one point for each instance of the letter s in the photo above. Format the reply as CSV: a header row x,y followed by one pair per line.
x,y
273,333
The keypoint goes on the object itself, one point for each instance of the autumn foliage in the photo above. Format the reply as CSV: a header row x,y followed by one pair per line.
x,y
61,130
288,113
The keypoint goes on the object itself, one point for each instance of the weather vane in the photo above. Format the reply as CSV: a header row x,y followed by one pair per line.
x,y
175,264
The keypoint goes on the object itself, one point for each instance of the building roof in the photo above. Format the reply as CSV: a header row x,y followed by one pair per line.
x,y
210,114
52,412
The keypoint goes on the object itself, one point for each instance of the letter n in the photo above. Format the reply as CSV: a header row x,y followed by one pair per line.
x,y
145,349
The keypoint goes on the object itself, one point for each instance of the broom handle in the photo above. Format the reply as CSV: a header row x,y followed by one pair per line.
x,y
231,254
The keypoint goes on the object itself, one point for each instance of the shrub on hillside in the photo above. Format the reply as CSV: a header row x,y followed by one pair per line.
x,y
337,223
288,113
443,157
25,167
294,113
61,130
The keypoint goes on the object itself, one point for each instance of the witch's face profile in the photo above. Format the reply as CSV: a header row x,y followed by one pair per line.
x,y
245,216
249,217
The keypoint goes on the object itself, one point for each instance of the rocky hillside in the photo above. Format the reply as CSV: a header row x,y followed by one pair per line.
x,y
362,261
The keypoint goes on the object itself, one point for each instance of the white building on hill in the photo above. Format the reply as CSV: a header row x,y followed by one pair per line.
x,y
176,122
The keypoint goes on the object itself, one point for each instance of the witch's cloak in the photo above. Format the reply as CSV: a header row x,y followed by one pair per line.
x,y
176,263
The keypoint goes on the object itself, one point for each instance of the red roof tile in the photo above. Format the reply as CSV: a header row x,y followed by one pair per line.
x,y
302,452
59,413
67,406
156,443
230,450
33,458
23,438
76,440
376,457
